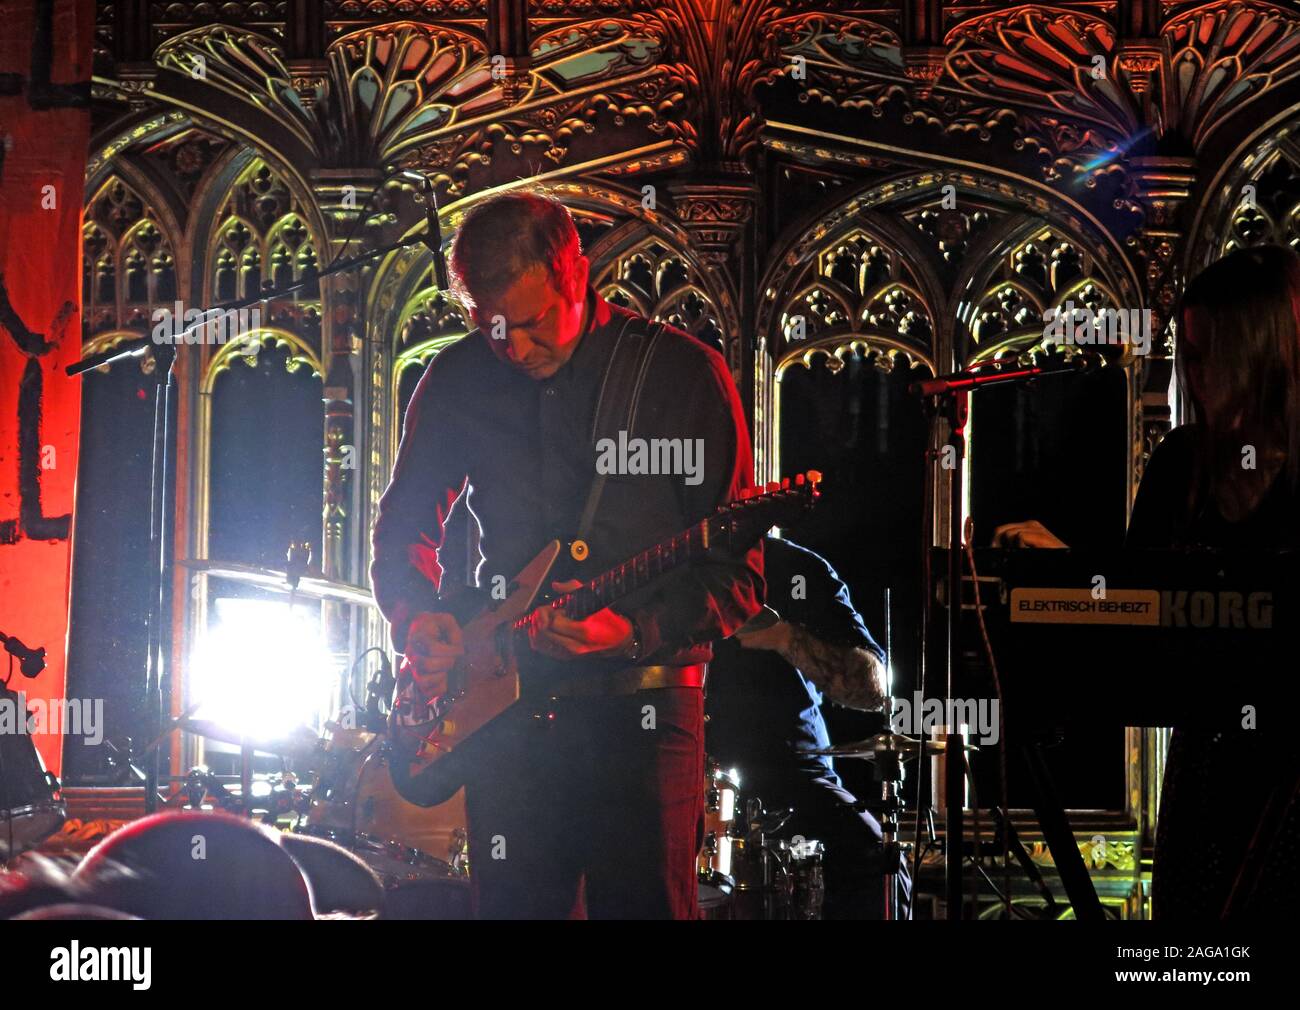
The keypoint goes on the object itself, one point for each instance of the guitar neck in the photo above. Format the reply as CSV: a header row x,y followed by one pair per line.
x,y
636,573
736,526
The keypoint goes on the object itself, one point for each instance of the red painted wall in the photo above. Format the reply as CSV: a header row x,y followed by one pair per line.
x,y
41,183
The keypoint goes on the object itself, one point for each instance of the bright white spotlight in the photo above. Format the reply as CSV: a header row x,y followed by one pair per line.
x,y
262,671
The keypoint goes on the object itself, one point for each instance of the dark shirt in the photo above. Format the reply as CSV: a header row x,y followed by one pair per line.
x,y
1161,518
524,448
1196,865
759,706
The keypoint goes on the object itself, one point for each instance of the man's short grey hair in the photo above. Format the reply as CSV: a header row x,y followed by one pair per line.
x,y
504,237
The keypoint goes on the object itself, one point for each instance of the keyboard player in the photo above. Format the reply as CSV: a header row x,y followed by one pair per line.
x,y
1228,832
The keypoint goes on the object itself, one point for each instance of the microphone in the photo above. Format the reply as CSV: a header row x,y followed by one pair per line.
x,y
31,661
379,692
1005,370
433,230
433,239
297,560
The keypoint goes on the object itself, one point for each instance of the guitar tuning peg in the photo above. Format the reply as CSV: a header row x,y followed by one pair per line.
x,y
785,483
746,493
773,486
814,476
798,480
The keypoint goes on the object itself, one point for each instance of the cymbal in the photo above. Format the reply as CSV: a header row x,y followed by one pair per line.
x,y
882,743
300,743
313,584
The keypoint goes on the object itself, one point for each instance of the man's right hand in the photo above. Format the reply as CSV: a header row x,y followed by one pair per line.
x,y
1030,533
433,644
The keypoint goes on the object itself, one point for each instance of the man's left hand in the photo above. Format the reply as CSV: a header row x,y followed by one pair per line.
x,y
604,633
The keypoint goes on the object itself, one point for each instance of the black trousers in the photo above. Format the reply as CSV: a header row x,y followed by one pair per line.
x,y
824,810
591,807
1229,825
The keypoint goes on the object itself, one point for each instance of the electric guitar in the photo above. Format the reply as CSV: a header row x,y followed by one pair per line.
x,y
427,736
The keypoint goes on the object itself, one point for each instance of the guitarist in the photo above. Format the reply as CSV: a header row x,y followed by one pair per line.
x,y
590,798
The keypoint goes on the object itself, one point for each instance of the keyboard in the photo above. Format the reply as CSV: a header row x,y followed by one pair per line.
x,y
1135,638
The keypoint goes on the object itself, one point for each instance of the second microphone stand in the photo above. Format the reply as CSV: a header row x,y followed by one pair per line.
x,y
947,400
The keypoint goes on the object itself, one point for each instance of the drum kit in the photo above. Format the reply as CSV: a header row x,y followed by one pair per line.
x,y
338,789
745,871
420,854
30,806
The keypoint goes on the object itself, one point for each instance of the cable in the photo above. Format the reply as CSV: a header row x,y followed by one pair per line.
x,y
969,531
1004,892
969,765
918,855
352,673
1005,899
365,213
927,538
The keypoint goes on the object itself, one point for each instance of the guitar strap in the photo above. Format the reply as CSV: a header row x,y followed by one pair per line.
x,y
616,405
616,409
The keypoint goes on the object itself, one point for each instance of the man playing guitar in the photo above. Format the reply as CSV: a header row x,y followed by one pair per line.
x,y
590,797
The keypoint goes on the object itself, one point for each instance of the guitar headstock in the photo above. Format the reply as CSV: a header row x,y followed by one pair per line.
x,y
758,509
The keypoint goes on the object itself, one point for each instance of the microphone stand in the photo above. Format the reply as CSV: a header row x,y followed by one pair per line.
x,y
948,399
159,565
887,769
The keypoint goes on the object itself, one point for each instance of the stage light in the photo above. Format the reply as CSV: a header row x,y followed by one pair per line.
x,y
262,671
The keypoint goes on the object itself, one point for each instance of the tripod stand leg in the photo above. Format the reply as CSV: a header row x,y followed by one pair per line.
x,y
1060,839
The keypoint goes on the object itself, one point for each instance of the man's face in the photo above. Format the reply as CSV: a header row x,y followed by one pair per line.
x,y
531,325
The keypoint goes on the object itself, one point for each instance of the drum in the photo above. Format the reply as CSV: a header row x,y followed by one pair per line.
x,y
416,886
419,853
806,857
30,807
353,793
745,871
778,879
714,861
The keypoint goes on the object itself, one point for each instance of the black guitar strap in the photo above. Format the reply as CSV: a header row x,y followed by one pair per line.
x,y
616,405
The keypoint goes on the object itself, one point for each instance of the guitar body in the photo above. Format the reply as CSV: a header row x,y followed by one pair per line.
x,y
480,687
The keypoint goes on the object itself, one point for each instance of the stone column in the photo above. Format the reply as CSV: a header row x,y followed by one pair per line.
x,y
1164,185
718,214
343,195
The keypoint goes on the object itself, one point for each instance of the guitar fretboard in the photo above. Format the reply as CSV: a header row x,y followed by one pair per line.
x,y
734,525
635,573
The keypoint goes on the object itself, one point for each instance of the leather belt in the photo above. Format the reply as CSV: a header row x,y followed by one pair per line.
x,y
632,680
